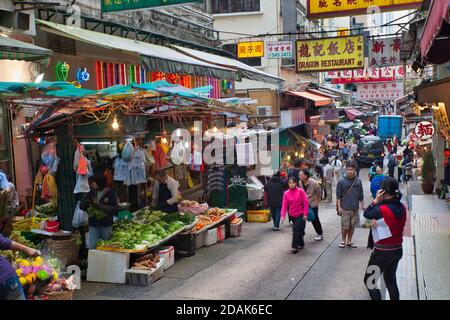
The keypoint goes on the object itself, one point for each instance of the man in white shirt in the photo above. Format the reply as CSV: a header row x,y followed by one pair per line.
x,y
328,179
165,192
337,166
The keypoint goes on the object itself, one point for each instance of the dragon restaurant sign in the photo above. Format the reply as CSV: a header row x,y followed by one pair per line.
x,y
326,54
424,130
318,9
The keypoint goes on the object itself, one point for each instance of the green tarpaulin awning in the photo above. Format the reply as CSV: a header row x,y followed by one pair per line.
x,y
11,49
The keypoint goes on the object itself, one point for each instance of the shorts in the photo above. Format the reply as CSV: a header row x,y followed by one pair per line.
x,y
349,219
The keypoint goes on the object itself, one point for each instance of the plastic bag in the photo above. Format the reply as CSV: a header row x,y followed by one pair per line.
x,y
127,152
49,157
310,216
80,217
363,222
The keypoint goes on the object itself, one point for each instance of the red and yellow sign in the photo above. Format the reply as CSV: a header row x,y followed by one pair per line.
x,y
254,49
338,8
330,54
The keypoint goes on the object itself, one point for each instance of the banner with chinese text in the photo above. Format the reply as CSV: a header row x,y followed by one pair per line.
x,y
279,49
254,49
330,54
339,8
365,75
125,5
380,91
385,52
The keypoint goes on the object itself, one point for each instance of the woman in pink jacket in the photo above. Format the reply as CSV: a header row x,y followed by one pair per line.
x,y
295,202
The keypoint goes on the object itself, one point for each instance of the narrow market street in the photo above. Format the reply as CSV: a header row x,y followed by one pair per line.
x,y
258,265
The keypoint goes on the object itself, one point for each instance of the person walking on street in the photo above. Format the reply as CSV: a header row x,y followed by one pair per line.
x,y
313,192
295,202
391,163
328,179
275,189
349,195
10,287
353,149
375,184
387,252
345,151
337,165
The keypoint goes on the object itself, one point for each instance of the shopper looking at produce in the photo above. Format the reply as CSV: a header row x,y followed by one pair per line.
x,y
10,287
165,192
387,252
275,189
313,192
12,203
295,202
101,206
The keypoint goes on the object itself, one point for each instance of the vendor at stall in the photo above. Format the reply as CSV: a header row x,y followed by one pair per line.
x,y
165,192
12,198
101,206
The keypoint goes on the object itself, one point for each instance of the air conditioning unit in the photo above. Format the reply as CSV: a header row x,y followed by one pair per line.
x,y
264,111
21,22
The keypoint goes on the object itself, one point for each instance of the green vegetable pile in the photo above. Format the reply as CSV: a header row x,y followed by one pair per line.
x,y
150,227
13,256
95,211
48,209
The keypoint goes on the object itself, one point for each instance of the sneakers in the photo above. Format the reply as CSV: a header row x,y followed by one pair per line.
x,y
275,229
318,238
294,251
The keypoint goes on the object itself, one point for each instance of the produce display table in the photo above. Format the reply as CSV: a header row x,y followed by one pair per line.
x,y
59,234
215,223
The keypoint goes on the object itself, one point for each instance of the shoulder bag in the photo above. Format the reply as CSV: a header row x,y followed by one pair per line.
x,y
345,195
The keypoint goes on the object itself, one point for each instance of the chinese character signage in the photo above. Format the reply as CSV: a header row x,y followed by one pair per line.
x,y
385,52
330,54
365,75
254,49
124,5
424,130
380,91
329,114
339,8
279,49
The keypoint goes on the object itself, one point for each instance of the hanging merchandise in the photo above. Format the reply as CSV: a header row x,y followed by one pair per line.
x,y
160,156
127,152
138,173
62,71
149,159
82,75
49,157
121,169
82,184
216,179
49,188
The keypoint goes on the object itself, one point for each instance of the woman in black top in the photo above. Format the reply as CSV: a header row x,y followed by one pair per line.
x,y
275,189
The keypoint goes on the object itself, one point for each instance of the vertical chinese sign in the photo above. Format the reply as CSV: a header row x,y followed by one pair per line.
x,y
279,50
330,54
254,49
125,5
338,8
384,52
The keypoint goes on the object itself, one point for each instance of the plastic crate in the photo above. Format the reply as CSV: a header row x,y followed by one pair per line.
x,y
221,233
28,223
255,194
261,216
144,277
199,240
236,228
168,254
210,237
106,266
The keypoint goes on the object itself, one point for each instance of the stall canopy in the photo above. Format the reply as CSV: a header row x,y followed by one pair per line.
x,y
352,114
244,70
12,49
153,57
435,42
318,100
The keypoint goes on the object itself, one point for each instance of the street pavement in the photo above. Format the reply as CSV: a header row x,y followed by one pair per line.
x,y
259,265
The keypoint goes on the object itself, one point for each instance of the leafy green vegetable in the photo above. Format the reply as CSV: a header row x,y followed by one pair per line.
x,y
95,211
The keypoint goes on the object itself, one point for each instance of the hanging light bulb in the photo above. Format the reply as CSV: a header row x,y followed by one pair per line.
x,y
115,124
164,140
215,129
296,154
289,157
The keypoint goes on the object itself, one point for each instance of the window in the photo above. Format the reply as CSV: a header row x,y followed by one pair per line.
x,y
231,6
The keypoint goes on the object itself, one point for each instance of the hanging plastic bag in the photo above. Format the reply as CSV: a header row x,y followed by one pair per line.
x,y
80,217
363,222
49,157
49,188
310,216
127,152
189,181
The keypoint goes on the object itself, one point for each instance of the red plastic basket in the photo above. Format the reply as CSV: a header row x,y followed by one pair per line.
x,y
52,226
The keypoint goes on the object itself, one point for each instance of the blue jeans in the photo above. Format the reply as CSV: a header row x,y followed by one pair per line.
x,y
11,289
98,233
276,216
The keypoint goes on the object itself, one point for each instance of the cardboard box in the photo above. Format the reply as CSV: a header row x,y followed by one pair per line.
x,y
210,237
261,216
106,266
